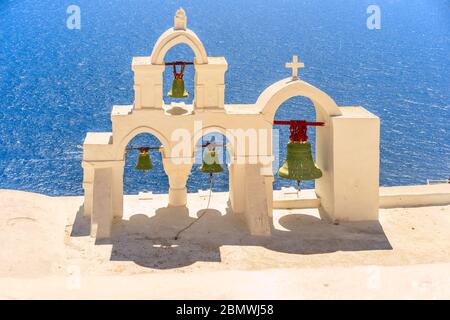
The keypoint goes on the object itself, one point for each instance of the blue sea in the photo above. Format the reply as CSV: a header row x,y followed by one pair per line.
x,y
56,83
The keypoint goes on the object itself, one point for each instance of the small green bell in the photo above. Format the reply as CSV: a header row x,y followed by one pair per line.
x,y
178,90
144,162
299,164
211,163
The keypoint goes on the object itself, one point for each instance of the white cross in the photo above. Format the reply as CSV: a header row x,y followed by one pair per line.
x,y
295,65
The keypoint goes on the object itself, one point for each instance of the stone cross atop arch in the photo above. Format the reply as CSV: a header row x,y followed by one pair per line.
x,y
180,20
295,65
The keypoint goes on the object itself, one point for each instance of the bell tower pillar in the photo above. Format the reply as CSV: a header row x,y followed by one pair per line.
x,y
237,187
210,84
117,188
349,191
148,83
178,170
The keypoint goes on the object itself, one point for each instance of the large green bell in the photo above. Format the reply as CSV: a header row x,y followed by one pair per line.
x,y
178,90
299,164
211,163
144,162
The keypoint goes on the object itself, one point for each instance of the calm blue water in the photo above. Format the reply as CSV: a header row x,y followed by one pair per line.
x,y
56,84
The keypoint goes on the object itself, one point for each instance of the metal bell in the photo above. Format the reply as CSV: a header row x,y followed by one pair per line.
x,y
299,164
178,90
211,163
144,162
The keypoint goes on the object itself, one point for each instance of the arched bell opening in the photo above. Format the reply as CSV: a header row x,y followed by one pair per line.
x,y
296,108
212,156
143,171
180,53
209,178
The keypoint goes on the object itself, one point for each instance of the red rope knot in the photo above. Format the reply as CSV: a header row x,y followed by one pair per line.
x,y
299,128
178,75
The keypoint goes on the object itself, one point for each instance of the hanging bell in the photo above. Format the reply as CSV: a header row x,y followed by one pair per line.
x,y
211,163
299,164
178,90
144,162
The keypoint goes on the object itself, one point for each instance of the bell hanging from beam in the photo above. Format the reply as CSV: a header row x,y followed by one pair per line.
x,y
144,162
299,164
178,90
211,163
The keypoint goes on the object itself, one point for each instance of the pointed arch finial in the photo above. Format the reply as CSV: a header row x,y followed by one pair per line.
x,y
180,20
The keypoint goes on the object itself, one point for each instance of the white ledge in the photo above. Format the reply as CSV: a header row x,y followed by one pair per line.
x,y
390,197
414,196
98,138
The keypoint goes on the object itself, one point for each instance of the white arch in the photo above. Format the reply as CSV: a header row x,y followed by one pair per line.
x,y
171,38
143,129
279,92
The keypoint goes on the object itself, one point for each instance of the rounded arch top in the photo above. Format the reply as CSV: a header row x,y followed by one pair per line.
x,y
143,129
171,38
231,145
279,92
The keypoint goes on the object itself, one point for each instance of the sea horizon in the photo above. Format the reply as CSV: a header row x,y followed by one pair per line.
x,y
57,83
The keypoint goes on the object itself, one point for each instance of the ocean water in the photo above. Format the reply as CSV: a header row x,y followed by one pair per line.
x,y
56,84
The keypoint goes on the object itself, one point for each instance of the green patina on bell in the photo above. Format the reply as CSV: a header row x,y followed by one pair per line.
x,y
144,162
299,164
211,163
178,90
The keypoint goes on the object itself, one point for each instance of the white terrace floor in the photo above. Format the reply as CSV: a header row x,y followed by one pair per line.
x,y
46,253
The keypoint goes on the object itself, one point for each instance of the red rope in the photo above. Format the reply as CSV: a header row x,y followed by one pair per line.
x,y
298,128
179,75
